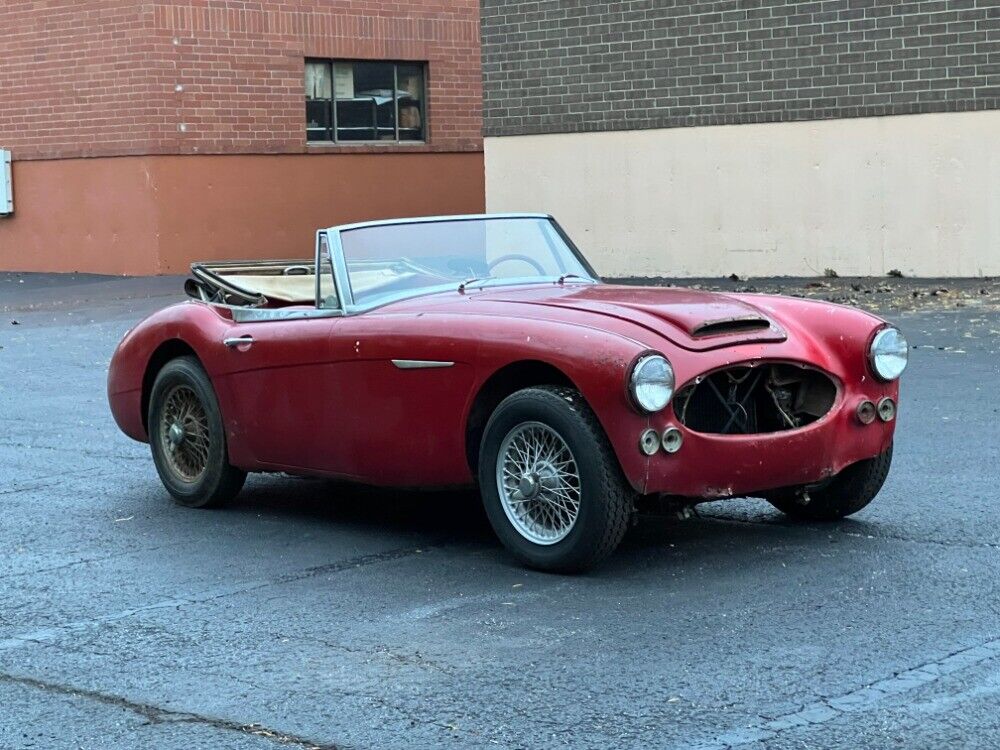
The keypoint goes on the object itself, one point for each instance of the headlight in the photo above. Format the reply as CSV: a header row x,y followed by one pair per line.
x,y
652,382
889,354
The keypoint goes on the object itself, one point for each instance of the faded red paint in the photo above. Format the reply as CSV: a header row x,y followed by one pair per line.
x,y
330,402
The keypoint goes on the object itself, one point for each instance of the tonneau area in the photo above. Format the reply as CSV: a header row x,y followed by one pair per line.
x,y
270,283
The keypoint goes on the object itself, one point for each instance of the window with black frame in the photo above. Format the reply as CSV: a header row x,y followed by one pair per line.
x,y
363,101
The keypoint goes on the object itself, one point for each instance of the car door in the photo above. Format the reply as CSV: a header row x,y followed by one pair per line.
x,y
275,375
398,395
368,397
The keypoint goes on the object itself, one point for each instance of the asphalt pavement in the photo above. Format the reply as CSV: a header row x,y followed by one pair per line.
x,y
315,614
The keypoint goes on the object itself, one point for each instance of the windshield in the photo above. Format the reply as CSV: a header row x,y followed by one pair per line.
x,y
391,260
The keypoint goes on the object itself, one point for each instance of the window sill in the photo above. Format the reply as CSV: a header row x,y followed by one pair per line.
x,y
363,144
382,147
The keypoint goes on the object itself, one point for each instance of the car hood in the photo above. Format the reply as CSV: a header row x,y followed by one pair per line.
x,y
690,318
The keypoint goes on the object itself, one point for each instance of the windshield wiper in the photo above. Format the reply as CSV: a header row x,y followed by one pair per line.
x,y
562,279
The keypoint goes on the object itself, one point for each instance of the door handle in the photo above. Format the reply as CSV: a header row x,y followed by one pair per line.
x,y
235,343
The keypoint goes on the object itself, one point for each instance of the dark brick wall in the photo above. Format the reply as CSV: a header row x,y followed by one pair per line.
x,y
576,65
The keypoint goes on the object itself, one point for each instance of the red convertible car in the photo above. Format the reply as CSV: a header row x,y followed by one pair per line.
x,y
453,351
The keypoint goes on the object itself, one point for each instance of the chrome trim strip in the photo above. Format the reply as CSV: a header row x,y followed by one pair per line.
x,y
420,364
338,262
271,315
316,269
430,219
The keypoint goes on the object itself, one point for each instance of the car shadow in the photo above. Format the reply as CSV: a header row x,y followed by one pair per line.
x,y
455,515
728,533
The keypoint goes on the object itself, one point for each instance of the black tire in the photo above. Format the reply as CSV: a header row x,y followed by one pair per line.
x,y
606,501
217,481
847,493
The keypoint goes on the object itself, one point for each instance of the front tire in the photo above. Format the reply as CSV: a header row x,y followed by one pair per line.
x,y
847,493
188,439
551,484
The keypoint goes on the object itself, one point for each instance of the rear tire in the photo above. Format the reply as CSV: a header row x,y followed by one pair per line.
x,y
551,485
847,493
188,439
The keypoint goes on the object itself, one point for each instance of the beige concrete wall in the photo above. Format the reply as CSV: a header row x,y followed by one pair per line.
x,y
919,193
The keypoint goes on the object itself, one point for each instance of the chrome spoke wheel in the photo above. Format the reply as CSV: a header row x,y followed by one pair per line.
x,y
539,483
184,434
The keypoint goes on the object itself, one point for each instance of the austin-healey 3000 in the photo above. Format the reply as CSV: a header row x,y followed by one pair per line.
x,y
485,350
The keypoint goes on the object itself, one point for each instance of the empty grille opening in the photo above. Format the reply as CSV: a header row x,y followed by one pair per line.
x,y
747,400
741,325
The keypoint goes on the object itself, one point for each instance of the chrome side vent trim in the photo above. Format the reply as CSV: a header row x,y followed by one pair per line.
x,y
420,364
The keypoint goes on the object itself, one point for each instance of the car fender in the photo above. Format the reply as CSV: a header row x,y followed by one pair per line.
x,y
595,361
195,326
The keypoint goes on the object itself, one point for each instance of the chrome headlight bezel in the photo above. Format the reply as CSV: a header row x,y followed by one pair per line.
x,y
888,354
651,383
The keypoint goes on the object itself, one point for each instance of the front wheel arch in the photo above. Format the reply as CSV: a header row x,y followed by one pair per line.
x,y
506,381
605,502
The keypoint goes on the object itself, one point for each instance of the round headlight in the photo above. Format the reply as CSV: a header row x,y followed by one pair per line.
x,y
889,354
652,383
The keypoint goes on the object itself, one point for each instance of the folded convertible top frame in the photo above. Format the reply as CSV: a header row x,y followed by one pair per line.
x,y
206,281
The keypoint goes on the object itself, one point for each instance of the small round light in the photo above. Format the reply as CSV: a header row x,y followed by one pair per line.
x,y
887,410
866,412
889,354
672,440
652,383
649,442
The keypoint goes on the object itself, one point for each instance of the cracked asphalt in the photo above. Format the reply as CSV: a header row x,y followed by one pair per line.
x,y
313,614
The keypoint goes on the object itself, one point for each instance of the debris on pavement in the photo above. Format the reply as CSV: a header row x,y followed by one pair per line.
x,y
878,294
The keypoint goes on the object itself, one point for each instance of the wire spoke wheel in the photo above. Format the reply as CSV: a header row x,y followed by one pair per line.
x,y
184,433
539,483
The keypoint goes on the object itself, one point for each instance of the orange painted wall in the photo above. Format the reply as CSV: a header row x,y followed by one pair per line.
x,y
156,214
223,207
95,215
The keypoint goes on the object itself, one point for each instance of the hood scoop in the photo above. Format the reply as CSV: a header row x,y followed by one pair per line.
x,y
731,327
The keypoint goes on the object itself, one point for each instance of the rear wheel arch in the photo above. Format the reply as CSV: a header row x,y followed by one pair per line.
x,y
169,350
188,439
506,381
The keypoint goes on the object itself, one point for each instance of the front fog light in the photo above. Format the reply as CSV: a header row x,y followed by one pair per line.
x,y
672,440
889,354
887,410
866,412
652,383
649,442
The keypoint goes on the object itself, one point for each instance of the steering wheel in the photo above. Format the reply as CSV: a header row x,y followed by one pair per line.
x,y
517,258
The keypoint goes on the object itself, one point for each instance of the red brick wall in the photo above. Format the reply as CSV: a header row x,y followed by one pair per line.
x,y
68,81
216,76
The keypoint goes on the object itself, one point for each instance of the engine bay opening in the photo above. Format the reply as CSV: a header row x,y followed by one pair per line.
x,y
748,400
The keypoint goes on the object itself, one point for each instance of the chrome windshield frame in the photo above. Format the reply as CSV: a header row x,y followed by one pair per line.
x,y
341,277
